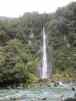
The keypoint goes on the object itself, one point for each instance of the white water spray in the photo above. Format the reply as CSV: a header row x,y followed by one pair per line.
x,y
44,58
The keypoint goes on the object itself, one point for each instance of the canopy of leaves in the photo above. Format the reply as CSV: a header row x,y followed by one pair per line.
x,y
21,42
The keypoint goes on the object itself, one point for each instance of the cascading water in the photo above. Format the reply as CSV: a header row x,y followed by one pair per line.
x,y
44,57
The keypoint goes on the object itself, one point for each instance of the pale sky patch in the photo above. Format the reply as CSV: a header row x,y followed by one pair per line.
x,y
15,8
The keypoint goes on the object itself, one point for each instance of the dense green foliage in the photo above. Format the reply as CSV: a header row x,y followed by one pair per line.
x,y
62,36
21,40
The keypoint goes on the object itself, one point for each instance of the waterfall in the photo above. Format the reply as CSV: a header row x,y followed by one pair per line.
x,y
44,74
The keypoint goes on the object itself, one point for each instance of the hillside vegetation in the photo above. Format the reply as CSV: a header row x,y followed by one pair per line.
x,y
21,40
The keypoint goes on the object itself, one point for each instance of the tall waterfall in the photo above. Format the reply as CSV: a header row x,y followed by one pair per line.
x,y
44,74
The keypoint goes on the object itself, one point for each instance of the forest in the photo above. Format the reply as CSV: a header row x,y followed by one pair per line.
x,y
21,40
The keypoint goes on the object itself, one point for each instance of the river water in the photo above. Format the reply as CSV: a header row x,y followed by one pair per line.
x,y
43,93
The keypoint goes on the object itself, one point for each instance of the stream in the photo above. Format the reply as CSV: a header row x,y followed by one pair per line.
x,y
42,93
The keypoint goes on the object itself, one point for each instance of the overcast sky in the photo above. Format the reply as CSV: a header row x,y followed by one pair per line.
x,y
15,8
